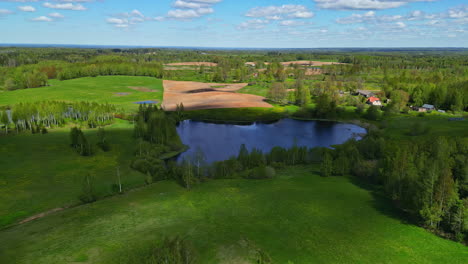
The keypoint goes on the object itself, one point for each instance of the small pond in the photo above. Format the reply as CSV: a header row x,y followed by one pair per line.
x,y
222,141
147,102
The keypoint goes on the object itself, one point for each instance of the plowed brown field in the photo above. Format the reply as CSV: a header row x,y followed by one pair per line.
x,y
196,95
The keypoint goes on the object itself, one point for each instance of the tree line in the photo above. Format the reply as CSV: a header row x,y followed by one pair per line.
x,y
427,179
46,114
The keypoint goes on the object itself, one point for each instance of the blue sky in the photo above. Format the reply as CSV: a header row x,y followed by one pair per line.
x,y
237,23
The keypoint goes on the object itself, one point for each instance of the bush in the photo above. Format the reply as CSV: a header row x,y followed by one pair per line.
x,y
262,172
366,169
373,113
418,128
104,146
174,251
88,194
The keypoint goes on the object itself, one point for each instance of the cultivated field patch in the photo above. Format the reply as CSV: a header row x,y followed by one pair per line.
x,y
196,95
196,63
310,63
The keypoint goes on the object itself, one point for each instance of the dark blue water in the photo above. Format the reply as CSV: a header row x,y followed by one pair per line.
x,y
147,102
222,141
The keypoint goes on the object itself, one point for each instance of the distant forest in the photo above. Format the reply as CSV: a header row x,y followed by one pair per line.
x,y
410,76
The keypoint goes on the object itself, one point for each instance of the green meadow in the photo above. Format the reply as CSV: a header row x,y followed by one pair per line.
x,y
297,217
42,172
102,89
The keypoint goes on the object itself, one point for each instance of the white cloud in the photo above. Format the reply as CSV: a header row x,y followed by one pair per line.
x,y
253,24
187,4
277,12
400,24
56,15
189,13
136,13
5,12
65,6
363,4
42,19
291,23
27,8
191,9
114,20
127,19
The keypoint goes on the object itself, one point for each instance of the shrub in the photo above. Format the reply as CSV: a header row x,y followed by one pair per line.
x,y
373,113
88,194
418,128
174,251
262,172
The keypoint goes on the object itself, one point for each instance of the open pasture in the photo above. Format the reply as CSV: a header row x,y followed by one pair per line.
x,y
42,172
122,91
298,217
196,95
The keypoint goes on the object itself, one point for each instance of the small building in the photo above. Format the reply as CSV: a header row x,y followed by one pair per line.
x,y
374,101
421,109
365,93
428,107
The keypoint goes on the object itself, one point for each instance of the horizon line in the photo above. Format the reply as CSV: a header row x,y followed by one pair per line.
x,y
32,45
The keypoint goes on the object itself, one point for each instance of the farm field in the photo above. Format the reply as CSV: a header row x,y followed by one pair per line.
x,y
199,63
195,95
122,91
298,217
42,172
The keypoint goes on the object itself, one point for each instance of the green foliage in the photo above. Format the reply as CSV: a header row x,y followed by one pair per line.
x,y
262,172
173,250
88,194
102,140
326,168
37,116
373,113
80,143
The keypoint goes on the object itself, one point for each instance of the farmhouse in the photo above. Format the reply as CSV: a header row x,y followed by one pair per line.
x,y
428,107
374,101
365,93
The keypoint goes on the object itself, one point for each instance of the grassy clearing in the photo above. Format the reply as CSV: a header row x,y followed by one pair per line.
x,y
298,217
41,172
256,89
102,89
436,123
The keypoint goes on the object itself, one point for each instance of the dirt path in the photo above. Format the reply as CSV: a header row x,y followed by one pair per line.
x,y
196,95
41,215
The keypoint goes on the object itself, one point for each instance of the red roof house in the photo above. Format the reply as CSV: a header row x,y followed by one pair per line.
x,y
374,101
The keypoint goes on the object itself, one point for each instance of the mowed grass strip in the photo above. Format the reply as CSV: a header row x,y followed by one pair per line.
x,y
102,89
42,172
298,217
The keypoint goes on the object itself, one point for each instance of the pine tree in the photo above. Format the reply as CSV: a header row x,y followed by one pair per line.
x,y
326,168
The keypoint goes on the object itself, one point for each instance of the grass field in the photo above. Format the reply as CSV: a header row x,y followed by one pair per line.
x,y
298,217
436,123
102,89
42,172
257,89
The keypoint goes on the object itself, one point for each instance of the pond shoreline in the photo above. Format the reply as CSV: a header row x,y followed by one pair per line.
x,y
218,141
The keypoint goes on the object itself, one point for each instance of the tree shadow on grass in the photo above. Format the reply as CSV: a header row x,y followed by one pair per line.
x,y
382,203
